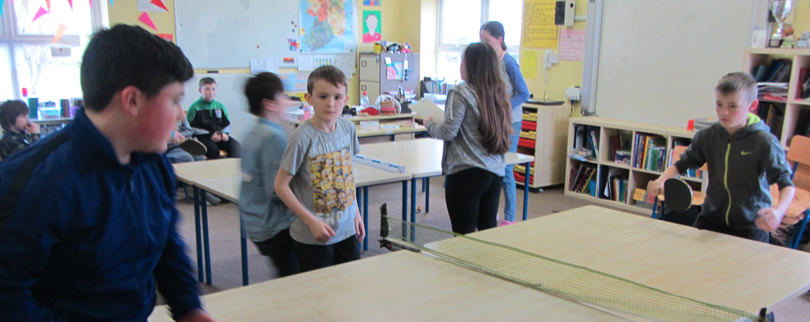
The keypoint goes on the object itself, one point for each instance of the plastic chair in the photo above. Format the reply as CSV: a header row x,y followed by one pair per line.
x,y
799,209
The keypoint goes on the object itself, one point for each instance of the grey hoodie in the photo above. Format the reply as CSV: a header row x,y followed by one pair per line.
x,y
741,168
463,146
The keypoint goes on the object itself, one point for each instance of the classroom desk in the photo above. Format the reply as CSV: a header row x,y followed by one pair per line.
x,y
365,133
223,179
188,173
423,159
678,259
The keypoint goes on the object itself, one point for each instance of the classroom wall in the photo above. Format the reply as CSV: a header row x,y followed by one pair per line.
x,y
562,75
801,18
428,37
126,12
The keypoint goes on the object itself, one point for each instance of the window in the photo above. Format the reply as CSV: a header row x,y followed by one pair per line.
x,y
459,22
38,62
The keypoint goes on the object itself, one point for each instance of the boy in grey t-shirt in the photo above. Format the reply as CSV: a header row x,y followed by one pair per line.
x,y
316,178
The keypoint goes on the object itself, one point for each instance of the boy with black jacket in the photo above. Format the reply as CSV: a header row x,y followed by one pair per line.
x,y
744,159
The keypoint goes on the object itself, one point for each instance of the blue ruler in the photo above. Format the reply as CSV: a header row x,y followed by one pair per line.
x,y
379,164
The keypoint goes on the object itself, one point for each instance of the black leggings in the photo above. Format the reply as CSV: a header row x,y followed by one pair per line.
x,y
313,257
472,198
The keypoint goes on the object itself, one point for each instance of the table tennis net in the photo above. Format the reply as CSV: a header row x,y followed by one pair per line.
x,y
580,284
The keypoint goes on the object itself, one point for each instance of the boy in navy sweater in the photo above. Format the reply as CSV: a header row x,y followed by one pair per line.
x,y
87,216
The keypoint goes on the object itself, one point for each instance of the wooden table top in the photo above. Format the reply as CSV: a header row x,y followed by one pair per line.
x,y
421,157
703,265
227,185
190,172
397,286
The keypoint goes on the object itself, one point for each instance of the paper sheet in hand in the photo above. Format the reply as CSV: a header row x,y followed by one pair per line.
x,y
426,109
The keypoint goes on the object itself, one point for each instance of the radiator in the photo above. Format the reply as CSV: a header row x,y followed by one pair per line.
x,y
231,93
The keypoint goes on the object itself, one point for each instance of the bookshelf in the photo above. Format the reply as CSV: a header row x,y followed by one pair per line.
x,y
790,115
607,159
543,135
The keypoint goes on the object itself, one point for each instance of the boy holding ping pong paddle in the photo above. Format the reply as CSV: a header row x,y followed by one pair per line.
x,y
743,160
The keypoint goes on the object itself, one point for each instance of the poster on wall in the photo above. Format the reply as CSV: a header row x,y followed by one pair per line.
x,y
371,3
539,30
328,26
372,26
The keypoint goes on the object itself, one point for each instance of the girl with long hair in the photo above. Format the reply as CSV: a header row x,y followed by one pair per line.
x,y
476,134
493,34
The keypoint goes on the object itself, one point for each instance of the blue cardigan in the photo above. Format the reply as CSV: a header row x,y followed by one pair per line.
x,y
520,92
84,238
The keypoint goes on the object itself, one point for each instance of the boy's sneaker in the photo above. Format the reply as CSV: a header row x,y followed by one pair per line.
x,y
505,223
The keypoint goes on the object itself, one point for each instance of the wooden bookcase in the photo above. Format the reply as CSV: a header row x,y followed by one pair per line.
x,y
794,109
543,135
635,173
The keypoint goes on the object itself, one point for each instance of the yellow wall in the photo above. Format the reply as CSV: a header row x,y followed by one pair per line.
x,y
801,18
126,12
560,76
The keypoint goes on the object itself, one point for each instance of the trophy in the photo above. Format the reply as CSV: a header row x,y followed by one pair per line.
x,y
780,9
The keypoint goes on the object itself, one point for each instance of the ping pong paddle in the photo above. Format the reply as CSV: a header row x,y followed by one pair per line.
x,y
677,194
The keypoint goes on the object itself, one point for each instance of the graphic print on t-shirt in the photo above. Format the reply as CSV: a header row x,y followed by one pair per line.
x,y
332,184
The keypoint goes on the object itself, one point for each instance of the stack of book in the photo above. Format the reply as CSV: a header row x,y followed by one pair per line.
x,y
583,179
642,199
777,71
585,143
769,91
650,152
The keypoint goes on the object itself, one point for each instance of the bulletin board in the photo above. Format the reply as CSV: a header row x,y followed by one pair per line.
x,y
229,33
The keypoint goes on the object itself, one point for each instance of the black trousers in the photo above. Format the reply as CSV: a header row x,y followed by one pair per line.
x,y
312,257
472,198
232,147
747,233
281,250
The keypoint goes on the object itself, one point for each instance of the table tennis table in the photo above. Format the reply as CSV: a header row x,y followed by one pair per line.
x,y
700,265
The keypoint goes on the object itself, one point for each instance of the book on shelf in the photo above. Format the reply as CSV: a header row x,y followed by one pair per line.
x,y
622,157
804,82
778,70
642,200
650,152
803,123
675,155
593,138
581,178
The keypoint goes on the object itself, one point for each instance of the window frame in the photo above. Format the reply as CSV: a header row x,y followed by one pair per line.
x,y
12,40
441,47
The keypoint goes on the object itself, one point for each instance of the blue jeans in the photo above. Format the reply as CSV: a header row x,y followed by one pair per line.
x,y
509,188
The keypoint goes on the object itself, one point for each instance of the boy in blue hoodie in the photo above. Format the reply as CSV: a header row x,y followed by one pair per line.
x,y
743,159
87,216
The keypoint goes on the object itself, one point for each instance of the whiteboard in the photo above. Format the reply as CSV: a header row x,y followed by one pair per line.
x,y
659,60
229,33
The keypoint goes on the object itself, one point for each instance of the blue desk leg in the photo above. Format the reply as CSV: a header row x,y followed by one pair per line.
x,y
526,191
413,208
206,250
427,195
365,216
404,206
200,258
243,249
